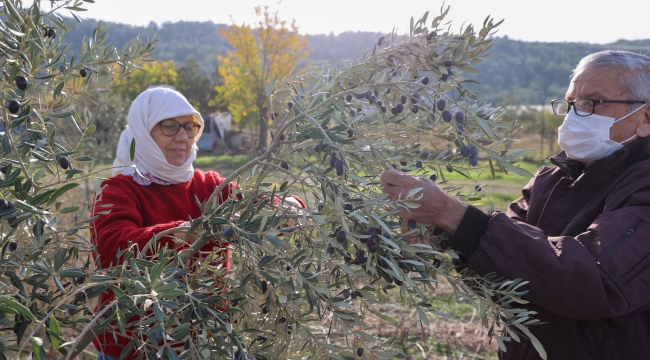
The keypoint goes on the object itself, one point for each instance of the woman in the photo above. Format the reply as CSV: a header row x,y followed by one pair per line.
x,y
159,195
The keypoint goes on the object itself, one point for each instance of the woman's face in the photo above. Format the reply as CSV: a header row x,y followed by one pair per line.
x,y
176,148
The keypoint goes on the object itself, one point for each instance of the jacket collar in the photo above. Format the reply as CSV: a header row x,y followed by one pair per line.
x,y
629,155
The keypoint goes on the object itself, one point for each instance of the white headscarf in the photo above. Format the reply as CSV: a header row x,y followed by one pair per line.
x,y
149,108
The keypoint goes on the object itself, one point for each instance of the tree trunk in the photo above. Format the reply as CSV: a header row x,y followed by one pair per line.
x,y
264,129
541,145
264,135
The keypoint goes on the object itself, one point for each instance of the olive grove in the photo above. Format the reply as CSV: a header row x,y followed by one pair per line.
x,y
297,276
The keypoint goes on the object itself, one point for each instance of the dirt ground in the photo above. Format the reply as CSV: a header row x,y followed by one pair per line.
x,y
457,337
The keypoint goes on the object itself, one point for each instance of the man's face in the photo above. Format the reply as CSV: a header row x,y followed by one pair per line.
x,y
604,85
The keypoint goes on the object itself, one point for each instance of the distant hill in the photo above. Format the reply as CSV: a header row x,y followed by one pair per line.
x,y
518,73
178,41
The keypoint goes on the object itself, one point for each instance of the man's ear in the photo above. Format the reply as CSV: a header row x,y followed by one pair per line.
x,y
643,128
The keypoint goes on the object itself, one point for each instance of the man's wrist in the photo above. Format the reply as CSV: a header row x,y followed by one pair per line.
x,y
450,215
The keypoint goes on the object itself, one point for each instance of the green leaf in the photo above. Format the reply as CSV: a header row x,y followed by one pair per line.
x,y
383,316
538,346
43,77
218,221
329,347
13,11
171,354
132,149
11,302
468,69
268,88
423,316
74,122
69,209
158,312
74,171
275,240
17,33
54,329
61,115
514,169
346,269
492,168
60,191
57,90
7,310
36,13
38,353
155,272
83,158
72,272
484,126
28,208
319,219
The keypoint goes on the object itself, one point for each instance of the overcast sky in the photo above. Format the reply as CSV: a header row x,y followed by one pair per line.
x,y
593,21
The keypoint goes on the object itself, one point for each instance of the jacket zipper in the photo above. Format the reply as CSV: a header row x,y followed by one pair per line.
x,y
618,243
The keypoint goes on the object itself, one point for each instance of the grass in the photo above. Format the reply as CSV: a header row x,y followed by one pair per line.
x,y
450,337
501,201
443,351
224,164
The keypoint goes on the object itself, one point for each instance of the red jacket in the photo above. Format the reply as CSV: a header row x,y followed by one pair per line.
x,y
580,235
138,213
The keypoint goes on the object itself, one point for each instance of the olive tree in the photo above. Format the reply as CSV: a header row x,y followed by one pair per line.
x,y
45,249
298,276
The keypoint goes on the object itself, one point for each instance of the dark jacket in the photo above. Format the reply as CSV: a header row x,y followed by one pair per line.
x,y
581,236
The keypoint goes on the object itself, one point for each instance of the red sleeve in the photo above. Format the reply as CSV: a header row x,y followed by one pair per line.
x,y
123,222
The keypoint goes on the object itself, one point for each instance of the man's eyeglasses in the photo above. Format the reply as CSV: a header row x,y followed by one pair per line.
x,y
585,106
171,127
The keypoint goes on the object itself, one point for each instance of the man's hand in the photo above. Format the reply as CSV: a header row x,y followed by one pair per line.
x,y
436,206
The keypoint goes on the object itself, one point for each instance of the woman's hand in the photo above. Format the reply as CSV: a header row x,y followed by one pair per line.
x,y
292,207
184,237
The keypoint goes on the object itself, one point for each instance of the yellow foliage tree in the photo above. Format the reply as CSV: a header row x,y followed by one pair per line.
x,y
258,57
151,73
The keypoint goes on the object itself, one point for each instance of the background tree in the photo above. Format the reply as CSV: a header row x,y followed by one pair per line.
x,y
258,57
198,88
152,73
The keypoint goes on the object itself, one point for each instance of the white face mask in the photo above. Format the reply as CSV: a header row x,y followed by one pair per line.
x,y
586,138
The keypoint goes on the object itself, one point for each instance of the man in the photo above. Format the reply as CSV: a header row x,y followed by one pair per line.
x,y
581,231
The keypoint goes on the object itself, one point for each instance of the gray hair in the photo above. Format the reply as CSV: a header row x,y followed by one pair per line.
x,y
635,82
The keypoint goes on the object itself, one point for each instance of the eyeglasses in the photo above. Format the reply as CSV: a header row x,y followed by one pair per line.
x,y
585,106
171,127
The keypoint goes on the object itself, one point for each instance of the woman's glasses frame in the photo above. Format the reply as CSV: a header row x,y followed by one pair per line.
x,y
171,127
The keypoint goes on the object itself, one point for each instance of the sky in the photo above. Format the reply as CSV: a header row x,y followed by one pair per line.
x,y
592,21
